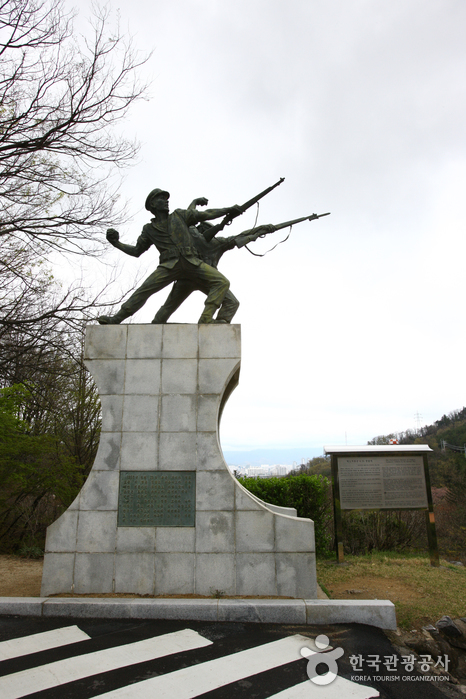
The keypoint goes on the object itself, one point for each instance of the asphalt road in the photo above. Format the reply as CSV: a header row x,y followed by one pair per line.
x,y
57,658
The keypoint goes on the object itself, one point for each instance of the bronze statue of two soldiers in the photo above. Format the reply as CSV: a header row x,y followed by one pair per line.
x,y
189,255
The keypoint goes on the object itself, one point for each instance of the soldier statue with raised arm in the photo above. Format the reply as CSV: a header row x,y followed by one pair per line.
x,y
178,256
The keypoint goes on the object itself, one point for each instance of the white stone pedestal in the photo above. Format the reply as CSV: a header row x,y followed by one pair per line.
x,y
163,388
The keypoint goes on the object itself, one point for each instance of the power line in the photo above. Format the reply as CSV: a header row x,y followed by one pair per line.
x,y
444,445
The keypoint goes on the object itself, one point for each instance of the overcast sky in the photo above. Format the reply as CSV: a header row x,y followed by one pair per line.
x,y
356,323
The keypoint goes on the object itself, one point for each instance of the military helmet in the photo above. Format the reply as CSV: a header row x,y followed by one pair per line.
x,y
154,193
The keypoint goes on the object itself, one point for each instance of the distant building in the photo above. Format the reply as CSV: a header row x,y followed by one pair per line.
x,y
258,471
263,471
279,470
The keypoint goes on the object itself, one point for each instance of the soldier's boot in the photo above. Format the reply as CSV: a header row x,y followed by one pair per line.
x,y
160,317
113,320
228,309
215,296
207,316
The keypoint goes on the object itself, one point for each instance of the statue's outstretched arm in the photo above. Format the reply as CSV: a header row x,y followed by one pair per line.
x,y
253,234
113,238
210,214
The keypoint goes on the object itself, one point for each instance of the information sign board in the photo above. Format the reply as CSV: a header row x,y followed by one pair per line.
x,y
381,477
382,482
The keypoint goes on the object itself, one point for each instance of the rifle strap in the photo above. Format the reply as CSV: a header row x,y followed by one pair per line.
x,y
256,254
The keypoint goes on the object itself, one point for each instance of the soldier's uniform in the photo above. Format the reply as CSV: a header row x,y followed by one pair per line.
x,y
178,260
210,252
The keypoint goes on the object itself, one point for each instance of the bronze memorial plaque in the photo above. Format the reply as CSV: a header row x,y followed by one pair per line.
x,y
157,499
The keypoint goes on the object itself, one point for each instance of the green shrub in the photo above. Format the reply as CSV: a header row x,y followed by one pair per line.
x,y
31,552
310,495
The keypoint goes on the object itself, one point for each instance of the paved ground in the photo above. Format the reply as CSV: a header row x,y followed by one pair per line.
x,y
51,658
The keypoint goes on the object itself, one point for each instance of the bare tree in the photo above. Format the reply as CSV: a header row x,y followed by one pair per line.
x,y
60,96
37,315
60,99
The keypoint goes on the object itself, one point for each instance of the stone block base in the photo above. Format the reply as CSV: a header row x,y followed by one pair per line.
x,y
163,388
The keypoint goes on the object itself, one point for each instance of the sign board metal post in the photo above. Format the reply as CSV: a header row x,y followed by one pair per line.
x,y
430,520
338,526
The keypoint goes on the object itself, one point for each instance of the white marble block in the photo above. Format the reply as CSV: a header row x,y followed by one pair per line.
x,y
163,388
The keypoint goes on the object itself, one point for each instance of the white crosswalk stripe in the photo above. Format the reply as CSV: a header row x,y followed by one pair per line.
x,y
185,683
20,684
198,679
41,641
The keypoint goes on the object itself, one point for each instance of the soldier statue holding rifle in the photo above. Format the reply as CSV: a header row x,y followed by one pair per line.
x,y
178,258
188,256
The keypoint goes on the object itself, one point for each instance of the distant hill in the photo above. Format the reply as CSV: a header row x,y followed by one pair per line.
x,y
447,465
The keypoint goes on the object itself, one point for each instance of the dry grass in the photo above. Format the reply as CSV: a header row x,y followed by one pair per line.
x,y
20,577
420,592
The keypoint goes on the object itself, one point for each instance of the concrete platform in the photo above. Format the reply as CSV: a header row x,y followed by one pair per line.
x,y
380,613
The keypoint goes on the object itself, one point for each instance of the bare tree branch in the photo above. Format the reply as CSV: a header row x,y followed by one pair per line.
x,y
60,98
